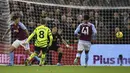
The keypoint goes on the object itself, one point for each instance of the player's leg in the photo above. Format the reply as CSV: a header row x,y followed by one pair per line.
x,y
60,52
43,54
42,59
48,54
86,57
30,58
26,47
15,45
47,57
79,51
87,48
10,51
11,61
27,50
77,57
37,49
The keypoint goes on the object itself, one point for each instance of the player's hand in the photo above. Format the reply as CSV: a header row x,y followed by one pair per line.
x,y
24,43
68,46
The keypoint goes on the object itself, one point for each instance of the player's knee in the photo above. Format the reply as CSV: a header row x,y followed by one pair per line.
x,y
78,55
11,49
43,56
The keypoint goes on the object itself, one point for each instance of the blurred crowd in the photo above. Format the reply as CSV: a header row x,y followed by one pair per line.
x,y
67,19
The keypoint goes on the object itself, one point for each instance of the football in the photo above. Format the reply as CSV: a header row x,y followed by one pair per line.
x,y
119,34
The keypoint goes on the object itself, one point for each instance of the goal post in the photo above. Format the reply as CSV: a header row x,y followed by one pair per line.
x,y
4,23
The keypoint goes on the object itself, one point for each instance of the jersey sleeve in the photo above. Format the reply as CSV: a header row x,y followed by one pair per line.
x,y
77,30
94,30
50,37
22,26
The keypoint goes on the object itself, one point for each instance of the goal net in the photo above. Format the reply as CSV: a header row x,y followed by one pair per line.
x,y
4,23
106,15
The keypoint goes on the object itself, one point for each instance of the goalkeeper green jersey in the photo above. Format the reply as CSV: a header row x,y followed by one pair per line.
x,y
42,33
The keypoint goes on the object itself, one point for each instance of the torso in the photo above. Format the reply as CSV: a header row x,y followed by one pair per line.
x,y
18,32
86,32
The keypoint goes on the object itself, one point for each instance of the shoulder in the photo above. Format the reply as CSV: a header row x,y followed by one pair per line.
x,y
38,27
91,24
81,24
21,24
47,27
42,26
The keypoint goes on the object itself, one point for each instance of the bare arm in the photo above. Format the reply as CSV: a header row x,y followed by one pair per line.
x,y
63,41
68,46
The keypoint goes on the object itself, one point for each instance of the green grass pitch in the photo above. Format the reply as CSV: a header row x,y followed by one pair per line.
x,y
64,69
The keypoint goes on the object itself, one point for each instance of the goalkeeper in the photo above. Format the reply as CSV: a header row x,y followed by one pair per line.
x,y
41,43
55,47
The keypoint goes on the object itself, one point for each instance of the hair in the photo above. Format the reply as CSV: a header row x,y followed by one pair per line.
x,y
86,17
15,16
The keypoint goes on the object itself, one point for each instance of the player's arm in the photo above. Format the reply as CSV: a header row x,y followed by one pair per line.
x,y
30,37
7,31
76,32
65,43
50,37
24,28
94,32
26,32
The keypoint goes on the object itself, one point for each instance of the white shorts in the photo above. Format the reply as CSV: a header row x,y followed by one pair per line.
x,y
84,45
18,43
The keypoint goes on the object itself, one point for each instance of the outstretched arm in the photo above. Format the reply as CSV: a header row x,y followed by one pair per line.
x,y
68,46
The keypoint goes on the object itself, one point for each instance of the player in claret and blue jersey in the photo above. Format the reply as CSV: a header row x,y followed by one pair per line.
x,y
20,32
85,31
